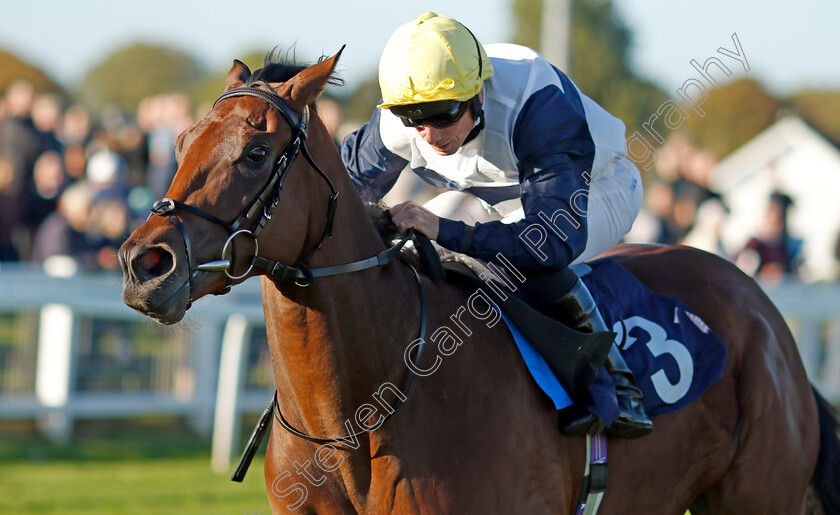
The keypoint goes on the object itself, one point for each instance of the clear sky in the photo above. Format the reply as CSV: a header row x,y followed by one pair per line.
x,y
788,46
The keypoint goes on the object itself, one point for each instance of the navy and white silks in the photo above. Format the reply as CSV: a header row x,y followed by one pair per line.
x,y
545,148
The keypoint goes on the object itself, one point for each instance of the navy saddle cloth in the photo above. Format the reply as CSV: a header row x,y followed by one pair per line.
x,y
672,352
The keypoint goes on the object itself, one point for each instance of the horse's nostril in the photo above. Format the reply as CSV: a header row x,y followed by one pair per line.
x,y
155,262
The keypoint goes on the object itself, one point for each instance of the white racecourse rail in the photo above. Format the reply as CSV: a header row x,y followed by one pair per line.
x,y
203,378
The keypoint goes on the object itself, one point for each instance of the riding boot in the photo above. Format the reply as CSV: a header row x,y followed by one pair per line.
x,y
577,309
632,422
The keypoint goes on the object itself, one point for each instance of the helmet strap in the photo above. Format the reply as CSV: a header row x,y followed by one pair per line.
x,y
475,101
478,113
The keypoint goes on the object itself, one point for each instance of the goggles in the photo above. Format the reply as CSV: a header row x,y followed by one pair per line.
x,y
438,114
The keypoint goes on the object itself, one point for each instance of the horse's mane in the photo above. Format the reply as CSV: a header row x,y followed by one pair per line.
x,y
389,232
281,65
381,219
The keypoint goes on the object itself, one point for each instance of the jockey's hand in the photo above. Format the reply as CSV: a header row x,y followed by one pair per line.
x,y
411,214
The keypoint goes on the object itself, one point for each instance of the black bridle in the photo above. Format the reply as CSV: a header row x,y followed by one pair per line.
x,y
265,203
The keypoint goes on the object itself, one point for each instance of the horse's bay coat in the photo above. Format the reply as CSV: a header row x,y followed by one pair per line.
x,y
476,436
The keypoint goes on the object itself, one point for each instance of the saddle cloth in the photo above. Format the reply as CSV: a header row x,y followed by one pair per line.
x,y
674,355
672,352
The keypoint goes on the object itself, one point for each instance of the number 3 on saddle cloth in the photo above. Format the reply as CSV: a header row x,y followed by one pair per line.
x,y
673,354
671,351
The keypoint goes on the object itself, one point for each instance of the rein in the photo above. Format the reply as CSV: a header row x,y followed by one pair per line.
x,y
274,406
264,204
408,382
302,275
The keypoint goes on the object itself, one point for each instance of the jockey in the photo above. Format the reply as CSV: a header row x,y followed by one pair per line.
x,y
519,147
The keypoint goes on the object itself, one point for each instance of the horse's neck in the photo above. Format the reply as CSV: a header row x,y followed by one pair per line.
x,y
336,343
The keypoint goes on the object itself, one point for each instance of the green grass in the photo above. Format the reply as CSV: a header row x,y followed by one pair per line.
x,y
154,467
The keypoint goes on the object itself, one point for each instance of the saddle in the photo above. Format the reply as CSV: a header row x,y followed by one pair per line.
x,y
574,357
671,351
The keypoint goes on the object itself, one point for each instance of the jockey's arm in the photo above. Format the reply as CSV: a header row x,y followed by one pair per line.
x,y
529,244
373,168
555,149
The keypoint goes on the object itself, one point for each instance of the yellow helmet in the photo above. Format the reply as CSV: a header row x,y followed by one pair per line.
x,y
431,59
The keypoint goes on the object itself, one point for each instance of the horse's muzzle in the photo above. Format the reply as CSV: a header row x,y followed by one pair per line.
x,y
152,283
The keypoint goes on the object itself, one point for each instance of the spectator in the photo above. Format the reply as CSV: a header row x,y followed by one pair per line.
x,y
655,223
49,181
670,158
8,204
64,233
708,227
47,168
76,128
107,173
163,117
683,215
330,112
695,171
75,134
21,146
47,119
108,229
773,254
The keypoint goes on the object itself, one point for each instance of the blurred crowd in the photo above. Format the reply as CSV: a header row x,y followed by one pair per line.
x,y
74,185
681,208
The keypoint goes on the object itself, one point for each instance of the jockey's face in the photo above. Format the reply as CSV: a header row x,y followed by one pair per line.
x,y
447,140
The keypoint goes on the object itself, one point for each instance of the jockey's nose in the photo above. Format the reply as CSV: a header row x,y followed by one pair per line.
x,y
431,134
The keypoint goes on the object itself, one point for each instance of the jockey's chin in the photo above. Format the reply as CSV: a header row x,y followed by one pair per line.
x,y
447,149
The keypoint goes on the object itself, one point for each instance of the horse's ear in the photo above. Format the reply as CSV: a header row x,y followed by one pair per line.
x,y
305,87
238,74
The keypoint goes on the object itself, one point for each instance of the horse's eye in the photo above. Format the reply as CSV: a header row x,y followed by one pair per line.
x,y
257,155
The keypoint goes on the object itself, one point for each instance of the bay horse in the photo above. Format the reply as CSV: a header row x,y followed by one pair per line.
x,y
477,435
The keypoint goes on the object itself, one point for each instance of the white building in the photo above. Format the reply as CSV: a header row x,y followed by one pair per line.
x,y
791,157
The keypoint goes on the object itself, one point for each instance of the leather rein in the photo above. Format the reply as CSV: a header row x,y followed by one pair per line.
x,y
299,273
265,203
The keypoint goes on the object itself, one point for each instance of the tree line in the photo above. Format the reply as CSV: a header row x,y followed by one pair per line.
x,y
599,65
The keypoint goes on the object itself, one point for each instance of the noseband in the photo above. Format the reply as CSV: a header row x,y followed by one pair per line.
x,y
300,274
265,202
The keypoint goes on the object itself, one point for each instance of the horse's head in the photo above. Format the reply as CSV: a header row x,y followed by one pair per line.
x,y
233,166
